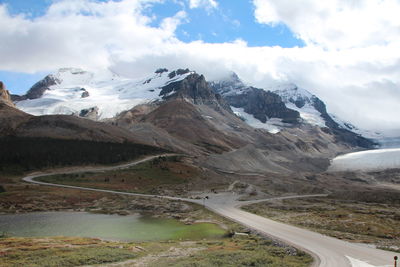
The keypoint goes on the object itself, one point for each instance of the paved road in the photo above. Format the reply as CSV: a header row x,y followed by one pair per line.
x,y
327,251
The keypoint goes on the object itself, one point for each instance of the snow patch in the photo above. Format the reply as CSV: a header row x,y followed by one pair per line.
x,y
291,94
309,114
273,125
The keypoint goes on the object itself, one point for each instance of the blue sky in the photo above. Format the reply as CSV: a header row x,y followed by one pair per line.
x,y
232,20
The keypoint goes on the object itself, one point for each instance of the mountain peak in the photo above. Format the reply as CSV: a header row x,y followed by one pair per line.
x,y
193,88
291,93
73,91
230,85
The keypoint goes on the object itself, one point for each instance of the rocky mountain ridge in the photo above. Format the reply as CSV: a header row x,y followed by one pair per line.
x,y
99,97
262,105
288,103
186,116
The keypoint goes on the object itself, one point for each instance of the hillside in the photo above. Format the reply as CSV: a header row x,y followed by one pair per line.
x,y
226,125
33,142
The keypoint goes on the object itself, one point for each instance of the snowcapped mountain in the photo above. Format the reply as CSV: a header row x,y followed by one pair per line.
x,y
103,95
349,126
283,106
314,112
259,108
293,98
78,92
307,104
310,108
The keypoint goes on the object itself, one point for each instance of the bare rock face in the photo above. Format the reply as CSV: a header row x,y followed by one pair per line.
x,y
90,113
195,89
38,89
5,95
85,93
263,105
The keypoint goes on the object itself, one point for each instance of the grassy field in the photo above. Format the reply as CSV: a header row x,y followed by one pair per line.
x,y
50,252
156,176
373,223
248,252
63,251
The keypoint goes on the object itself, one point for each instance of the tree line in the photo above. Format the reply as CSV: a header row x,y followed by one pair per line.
x,y
19,154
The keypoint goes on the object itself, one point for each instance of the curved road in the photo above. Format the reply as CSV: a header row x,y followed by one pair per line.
x,y
327,251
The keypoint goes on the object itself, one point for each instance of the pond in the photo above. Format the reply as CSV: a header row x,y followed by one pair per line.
x,y
110,227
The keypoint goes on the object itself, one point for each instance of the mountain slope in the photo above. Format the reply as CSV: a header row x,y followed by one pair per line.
x,y
313,111
102,95
181,111
282,106
221,141
14,122
263,105
33,142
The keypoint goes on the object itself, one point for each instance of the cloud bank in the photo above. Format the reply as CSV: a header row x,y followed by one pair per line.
x,y
351,59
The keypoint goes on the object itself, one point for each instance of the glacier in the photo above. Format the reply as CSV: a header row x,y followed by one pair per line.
x,y
369,160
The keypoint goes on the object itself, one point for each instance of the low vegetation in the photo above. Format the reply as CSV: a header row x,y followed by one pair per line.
x,y
50,252
157,176
246,252
356,221
63,251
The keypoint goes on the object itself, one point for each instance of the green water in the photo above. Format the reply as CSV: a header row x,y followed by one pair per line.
x,y
111,227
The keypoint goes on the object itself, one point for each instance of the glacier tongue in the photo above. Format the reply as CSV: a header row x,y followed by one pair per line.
x,y
110,93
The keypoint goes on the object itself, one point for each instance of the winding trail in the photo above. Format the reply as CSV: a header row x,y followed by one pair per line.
x,y
327,251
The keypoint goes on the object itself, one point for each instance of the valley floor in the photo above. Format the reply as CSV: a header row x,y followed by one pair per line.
x,y
240,250
350,219
69,251
375,224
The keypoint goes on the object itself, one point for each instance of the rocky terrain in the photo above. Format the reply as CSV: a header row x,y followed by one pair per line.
x,y
288,103
5,95
181,111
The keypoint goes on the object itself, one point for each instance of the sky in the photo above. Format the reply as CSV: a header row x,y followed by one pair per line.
x,y
347,52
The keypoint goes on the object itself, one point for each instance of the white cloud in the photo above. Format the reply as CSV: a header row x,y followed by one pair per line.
x,y
208,4
335,24
81,32
351,57
359,80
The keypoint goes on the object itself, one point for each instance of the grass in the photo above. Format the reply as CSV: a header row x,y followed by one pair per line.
x,y
160,176
249,252
355,221
63,251
148,177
